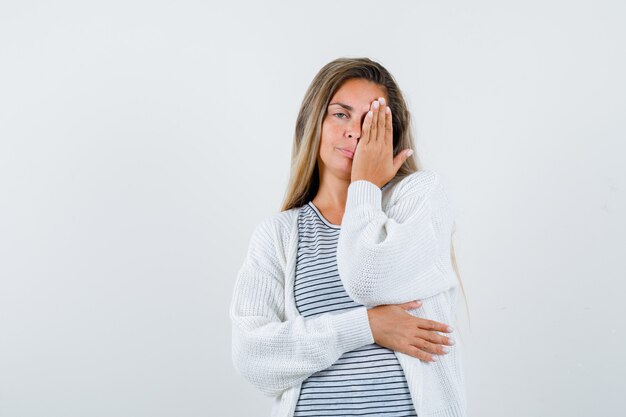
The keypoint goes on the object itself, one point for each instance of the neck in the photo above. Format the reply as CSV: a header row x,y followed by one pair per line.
x,y
332,193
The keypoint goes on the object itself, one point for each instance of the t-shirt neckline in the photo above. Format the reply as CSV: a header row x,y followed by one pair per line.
x,y
322,218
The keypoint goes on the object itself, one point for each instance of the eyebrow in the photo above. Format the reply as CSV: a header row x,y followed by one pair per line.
x,y
345,106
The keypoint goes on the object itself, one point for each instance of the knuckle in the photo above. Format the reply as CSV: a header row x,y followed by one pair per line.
x,y
421,355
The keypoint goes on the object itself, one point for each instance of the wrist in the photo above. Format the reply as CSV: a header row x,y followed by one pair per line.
x,y
364,192
371,317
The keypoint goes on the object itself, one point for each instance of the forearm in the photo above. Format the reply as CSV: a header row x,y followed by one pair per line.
x,y
275,354
394,256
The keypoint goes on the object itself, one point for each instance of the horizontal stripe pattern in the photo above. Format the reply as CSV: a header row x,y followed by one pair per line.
x,y
367,381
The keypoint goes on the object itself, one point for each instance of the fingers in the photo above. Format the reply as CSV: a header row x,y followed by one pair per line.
x,y
367,124
432,348
419,354
381,120
388,127
399,159
434,337
411,305
433,325
427,346
379,128
401,331
374,126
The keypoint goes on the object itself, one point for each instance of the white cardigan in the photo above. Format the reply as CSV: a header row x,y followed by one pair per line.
x,y
393,247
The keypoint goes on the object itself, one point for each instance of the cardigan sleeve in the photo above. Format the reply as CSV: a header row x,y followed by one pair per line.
x,y
396,255
273,353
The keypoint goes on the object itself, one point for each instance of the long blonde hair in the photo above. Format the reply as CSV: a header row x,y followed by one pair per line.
x,y
304,176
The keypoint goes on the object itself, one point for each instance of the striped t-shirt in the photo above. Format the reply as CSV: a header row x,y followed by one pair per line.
x,y
368,381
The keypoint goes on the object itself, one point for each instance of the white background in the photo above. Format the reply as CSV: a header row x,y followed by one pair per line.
x,y
142,141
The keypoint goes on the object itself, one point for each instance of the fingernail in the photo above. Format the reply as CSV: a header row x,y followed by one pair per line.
x,y
369,113
382,100
445,349
450,329
450,341
409,153
388,110
376,104
434,359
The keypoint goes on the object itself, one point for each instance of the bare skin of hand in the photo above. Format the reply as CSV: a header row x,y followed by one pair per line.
x,y
400,331
373,158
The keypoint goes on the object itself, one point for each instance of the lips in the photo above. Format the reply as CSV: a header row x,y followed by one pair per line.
x,y
346,152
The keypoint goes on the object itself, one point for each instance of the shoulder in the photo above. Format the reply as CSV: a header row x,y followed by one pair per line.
x,y
275,231
271,242
281,222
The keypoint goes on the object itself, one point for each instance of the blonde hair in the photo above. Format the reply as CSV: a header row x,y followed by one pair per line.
x,y
304,176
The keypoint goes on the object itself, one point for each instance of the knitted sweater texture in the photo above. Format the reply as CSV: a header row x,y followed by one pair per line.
x,y
393,247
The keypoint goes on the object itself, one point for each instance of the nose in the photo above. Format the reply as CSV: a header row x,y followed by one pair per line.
x,y
353,131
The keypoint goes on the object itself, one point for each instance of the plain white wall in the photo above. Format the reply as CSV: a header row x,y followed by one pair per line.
x,y
142,141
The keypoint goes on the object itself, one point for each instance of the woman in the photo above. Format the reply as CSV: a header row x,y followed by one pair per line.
x,y
340,305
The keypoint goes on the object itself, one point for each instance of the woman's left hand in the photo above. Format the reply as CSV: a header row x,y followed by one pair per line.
x,y
373,158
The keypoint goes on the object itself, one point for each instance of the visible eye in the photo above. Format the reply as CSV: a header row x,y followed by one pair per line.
x,y
338,115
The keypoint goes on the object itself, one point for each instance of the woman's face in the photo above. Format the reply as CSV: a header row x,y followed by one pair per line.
x,y
342,124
